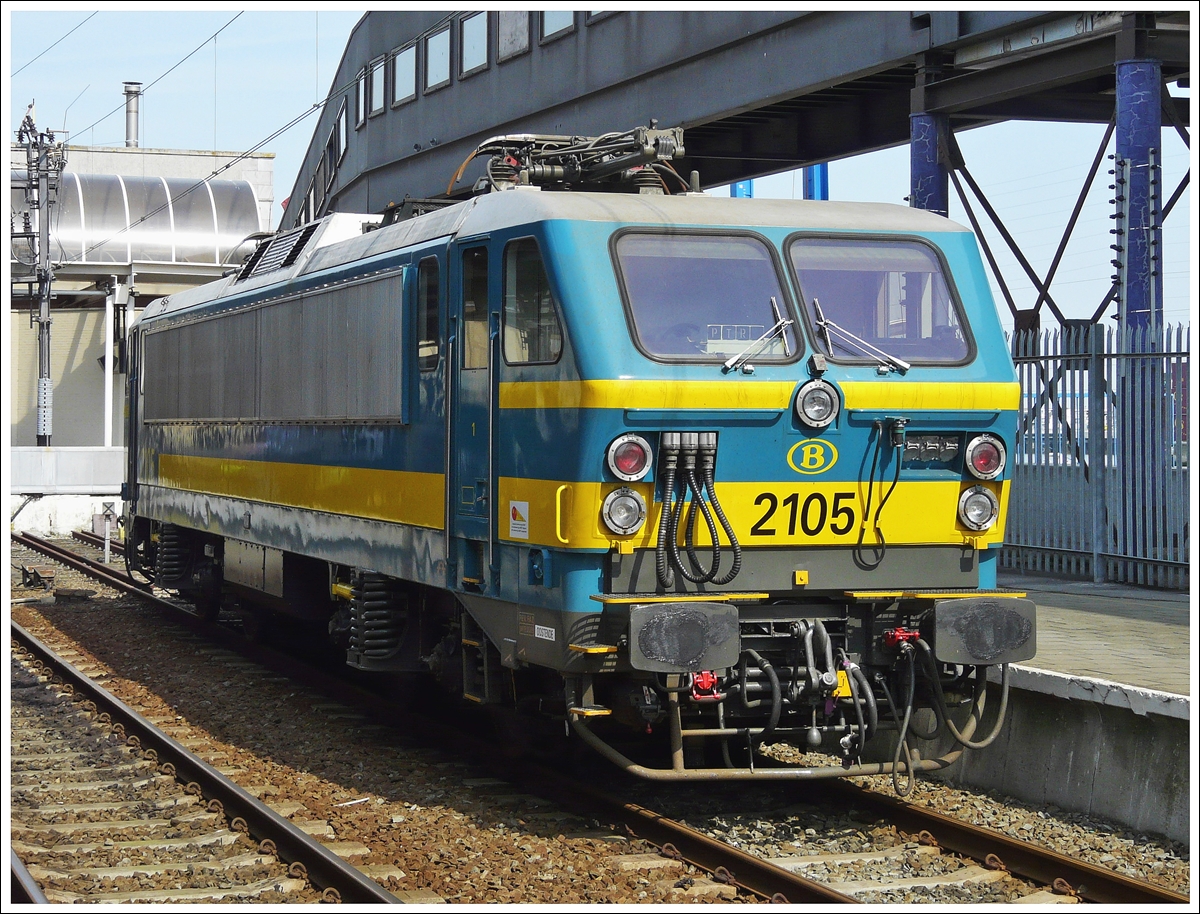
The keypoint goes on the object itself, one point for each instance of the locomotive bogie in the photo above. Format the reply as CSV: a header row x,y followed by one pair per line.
x,y
735,468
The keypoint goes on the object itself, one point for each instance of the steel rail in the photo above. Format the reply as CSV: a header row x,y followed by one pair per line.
x,y
1064,874
729,864
91,539
24,889
324,869
95,570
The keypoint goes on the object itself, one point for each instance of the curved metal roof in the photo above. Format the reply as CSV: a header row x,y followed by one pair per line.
x,y
123,219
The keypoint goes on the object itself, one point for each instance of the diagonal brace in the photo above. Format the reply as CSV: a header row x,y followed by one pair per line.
x,y
960,166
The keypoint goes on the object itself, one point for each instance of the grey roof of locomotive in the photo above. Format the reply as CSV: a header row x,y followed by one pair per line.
x,y
342,239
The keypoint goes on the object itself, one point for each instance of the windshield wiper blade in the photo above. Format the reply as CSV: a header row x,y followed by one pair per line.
x,y
824,325
787,349
781,326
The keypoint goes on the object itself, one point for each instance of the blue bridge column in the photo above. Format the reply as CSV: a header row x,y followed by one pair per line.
x,y
930,180
1139,140
1142,530
816,181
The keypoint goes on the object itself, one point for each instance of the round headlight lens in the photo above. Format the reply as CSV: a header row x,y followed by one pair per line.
x,y
978,508
817,404
624,511
629,457
985,457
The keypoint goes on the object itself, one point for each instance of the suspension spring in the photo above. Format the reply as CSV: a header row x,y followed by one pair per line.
x,y
378,615
172,562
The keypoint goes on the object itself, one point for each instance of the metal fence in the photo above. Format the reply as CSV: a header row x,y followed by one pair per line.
x,y
1100,473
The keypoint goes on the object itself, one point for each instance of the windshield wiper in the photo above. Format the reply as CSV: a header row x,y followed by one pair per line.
x,y
824,326
781,325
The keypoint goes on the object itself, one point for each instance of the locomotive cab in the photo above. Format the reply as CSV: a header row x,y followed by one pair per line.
x,y
732,470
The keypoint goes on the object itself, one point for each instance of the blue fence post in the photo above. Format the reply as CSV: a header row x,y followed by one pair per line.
x,y
929,177
816,181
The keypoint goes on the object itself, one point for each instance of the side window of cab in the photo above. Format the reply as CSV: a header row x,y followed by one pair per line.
x,y
532,331
428,335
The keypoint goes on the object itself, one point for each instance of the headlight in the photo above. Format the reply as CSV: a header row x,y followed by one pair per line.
x,y
629,457
624,511
817,404
978,508
985,457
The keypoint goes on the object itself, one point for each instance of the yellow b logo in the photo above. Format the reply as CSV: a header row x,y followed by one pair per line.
x,y
812,456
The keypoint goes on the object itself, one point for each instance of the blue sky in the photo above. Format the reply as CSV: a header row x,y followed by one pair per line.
x,y
267,67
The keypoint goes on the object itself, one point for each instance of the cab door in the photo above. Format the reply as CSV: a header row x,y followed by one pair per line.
x,y
472,403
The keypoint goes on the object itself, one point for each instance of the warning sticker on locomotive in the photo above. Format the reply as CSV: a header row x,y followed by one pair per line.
x,y
545,632
518,520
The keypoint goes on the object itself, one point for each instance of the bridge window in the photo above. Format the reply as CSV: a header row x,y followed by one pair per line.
x,y
377,85
331,157
428,338
437,60
891,295
343,133
556,23
532,332
360,109
320,179
473,44
704,297
404,75
513,34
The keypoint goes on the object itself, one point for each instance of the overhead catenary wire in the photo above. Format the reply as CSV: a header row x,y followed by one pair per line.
x,y
179,63
56,44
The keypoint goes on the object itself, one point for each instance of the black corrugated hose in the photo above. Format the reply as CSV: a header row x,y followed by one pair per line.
x,y
668,558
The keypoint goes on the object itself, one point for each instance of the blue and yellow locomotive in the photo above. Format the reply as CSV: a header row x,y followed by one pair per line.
x,y
732,470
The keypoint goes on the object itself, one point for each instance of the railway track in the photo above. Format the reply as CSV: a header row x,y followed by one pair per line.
x,y
91,539
936,847
104,803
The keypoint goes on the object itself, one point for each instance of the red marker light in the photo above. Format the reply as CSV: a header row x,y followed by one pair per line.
x,y
630,458
986,458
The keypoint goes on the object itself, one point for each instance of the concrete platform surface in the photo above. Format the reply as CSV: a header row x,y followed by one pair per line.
x,y
1129,635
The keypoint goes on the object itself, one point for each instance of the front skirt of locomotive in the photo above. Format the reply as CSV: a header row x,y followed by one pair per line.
x,y
690,637
824,677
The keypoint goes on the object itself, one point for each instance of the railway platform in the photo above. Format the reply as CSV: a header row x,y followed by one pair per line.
x,y
1134,636
1098,722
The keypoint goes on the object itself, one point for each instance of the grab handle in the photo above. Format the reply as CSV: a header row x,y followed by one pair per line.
x,y
558,513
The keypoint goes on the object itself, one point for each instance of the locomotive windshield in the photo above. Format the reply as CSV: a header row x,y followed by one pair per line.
x,y
892,295
703,297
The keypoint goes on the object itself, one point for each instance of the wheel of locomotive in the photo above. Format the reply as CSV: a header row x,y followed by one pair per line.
x,y
257,622
208,607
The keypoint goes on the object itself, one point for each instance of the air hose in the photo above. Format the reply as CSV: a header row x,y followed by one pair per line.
x,y
858,681
690,458
776,690
862,530
980,685
902,747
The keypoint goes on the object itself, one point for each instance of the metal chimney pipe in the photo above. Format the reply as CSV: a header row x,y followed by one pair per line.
x,y
132,91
